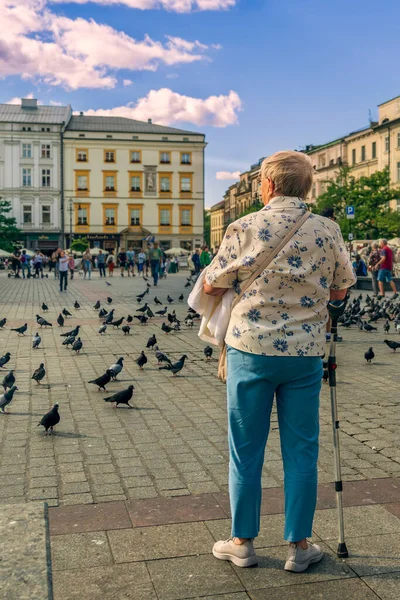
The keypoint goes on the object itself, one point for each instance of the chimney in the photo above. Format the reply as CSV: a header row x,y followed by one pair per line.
x,y
81,114
149,121
29,103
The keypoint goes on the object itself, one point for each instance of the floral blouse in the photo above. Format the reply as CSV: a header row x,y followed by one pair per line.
x,y
284,311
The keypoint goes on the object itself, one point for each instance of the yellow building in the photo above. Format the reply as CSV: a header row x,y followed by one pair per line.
x,y
217,224
127,181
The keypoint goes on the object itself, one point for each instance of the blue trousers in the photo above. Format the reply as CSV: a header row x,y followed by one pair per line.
x,y
252,381
155,270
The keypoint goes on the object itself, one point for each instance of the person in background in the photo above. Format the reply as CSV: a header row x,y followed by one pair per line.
x,y
87,263
360,268
385,269
55,258
71,265
38,262
101,263
141,262
130,258
63,270
176,261
25,264
205,258
16,262
196,261
147,262
122,260
111,263
156,256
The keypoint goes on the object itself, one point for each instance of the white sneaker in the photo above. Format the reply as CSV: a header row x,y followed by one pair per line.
x,y
242,555
299,560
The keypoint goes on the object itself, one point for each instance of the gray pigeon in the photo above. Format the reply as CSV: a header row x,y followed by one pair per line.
x,y
103,328
50,419
9,380
36,341
77,345
39,374
117,367
7,397
176,367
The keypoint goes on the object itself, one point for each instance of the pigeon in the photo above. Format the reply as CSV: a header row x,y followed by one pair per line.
x,y
50,419
142,360
109,317
42,322
143,308
208,352
97,305
117,368
3,322
69,341
161,357
121,397
77,345
7,397
66,312
117,323
102,313
109,300
102,381
44,307
151,342
141,318
369,355
21,330
166,328
129,319
109,284
77,305
170,300
367,327
39,374
9,380
139,297
386,327
150,313
171,317
4,359
103,328
157,301
36,341
60,320
187,284
176,367
181,298
393,345
126,329
72,333
162,312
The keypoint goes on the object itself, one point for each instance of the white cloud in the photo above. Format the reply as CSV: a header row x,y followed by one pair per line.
x,y
127,82
226,175
38,44
166,107
179,6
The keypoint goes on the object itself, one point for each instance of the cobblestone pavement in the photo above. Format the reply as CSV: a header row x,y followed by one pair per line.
x,y
162,468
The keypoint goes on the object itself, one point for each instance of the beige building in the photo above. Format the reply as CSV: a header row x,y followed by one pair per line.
x,y
217,227
127,182
365,151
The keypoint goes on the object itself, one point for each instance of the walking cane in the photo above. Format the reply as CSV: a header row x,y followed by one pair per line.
x,y
336,309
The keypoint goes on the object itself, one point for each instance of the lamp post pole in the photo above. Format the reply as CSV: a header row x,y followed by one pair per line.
x,y
70,221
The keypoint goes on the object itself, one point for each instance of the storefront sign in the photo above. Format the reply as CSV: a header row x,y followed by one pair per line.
x,y
102,236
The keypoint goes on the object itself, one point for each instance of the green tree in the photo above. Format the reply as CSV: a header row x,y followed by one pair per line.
x,y
79,244
207,227
370,197
9,232
253,208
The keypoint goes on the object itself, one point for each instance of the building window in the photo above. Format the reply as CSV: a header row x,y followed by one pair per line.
x,y
313,191
136,156
165,183
185,139
363,153
109,214
164,139
26,177
108,136
185,183
81,135
387,144
398,140
45,150
135,217
26,150
81,155
109,156
46,178
82,215
165,158
46,215
186,158
398,171
27,129
373,149
353,156
165,217
27,214
135,137
109,183
135,183
321,162
82,183
186,217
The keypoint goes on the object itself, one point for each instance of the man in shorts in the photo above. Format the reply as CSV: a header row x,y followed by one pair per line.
x,y
122,260
385,269
130,257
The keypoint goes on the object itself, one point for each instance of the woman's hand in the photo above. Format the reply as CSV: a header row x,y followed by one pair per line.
x,y
212,291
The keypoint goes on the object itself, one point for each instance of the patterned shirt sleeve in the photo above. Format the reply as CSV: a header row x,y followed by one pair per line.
x,y
223,271
344,276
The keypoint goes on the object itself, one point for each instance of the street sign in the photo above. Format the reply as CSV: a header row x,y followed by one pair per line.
x,y
351,237
350,212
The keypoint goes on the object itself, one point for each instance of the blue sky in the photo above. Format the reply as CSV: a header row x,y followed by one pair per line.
x,y
300,71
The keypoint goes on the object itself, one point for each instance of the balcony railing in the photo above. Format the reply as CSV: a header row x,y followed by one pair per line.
x,y
33,226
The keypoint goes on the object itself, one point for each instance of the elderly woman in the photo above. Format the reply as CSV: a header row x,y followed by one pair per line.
x,y
275,340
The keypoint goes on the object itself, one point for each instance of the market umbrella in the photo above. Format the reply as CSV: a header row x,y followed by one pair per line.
x,y
4,253
177,251
394,242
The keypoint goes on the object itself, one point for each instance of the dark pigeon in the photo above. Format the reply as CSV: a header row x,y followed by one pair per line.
x,y
6,398
66,312
3,322
142,360
21,330
9,380
208,352
151,342
4,359
121,397
393,345
369,355
60,320
50,419
126,329
39,374
72,333
157,301
77,345
97,305
44,307
102,381
176,367
77,305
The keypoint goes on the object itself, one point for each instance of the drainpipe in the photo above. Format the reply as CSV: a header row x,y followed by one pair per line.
x,y
62,187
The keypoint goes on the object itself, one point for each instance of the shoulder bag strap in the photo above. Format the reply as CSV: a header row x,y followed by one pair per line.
x,y
270,258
